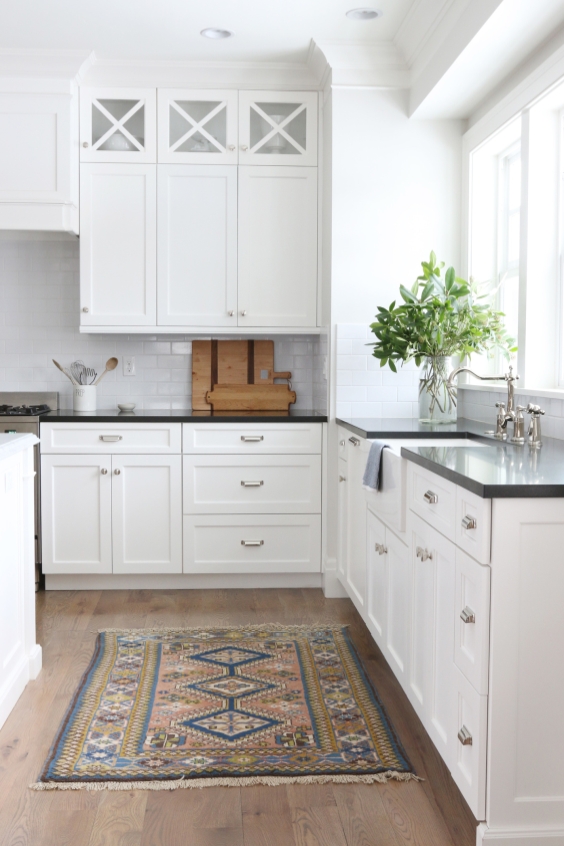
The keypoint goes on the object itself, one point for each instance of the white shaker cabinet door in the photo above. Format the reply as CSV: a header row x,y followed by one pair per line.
x,y
343,518
197,245
118,245
147,514
76,512
278,127
356,552
197,127
277,246
398,607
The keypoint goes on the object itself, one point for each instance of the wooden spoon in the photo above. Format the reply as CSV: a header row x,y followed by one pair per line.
x,y
111,364
65,371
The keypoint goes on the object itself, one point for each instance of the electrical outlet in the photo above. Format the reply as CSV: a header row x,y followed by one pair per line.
x,y
129,365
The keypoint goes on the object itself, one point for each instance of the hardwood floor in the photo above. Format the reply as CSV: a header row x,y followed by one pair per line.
x,y
429,813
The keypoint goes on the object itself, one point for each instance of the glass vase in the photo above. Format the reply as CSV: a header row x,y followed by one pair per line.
x,y
437,399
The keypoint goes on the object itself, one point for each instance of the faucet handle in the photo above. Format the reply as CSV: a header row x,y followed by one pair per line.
x,y
501,406
535,410
521,408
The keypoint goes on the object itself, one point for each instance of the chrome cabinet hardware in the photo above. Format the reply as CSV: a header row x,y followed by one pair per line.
x,y
354,441
244,313
85,144
467,615
423,554
465,737
342,478
86,309
252,439
111,438
231,147
342,443
469,522
380,548
244,147
252,484
103,471
231,313
252,543
430,497
117,472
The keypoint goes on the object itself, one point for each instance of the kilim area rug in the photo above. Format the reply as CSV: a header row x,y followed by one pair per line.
x,y
163,709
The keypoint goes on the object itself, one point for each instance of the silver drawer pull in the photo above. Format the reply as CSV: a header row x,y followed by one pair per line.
x,y
380,548
252,484
354,441
465,737
103,471
430,497
423,554
467,615
252,439
111,439
342,443
252,543
342,478
469,522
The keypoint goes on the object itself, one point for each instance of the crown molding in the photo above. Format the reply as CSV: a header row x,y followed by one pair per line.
x,y
45,64
419,26
360,64
196,74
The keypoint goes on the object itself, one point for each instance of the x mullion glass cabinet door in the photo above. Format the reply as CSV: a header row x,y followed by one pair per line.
x,y
118,125
197,127
278,128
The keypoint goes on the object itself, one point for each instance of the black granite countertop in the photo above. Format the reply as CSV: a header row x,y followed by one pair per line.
x,y
487,467
182,415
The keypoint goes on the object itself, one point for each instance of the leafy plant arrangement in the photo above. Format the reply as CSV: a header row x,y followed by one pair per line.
x,y
440,316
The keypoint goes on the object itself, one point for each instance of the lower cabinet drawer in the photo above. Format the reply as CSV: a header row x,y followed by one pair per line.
x,y
472,620
433,499
252,484
251,438
469,744
136,438
252,544
473,524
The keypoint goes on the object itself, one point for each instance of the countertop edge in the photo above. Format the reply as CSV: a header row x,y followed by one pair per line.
x,y
17,443
69,416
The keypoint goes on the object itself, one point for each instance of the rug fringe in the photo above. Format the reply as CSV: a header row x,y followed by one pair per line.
x,y
333,626
248,781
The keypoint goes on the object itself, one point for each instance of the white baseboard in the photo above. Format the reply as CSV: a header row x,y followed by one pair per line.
x,y
332,587
35,659
13,688
506,837
182,581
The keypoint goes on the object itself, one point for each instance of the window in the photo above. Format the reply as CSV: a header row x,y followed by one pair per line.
x,y
509,229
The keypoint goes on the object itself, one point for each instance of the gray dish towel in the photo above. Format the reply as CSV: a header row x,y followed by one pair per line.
x,y
372,479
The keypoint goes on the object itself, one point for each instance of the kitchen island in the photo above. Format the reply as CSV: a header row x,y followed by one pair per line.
x,y
455,565
20,655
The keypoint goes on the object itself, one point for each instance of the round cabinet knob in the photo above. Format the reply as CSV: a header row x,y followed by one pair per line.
x,y
244,147
85,144
103,471
244,313
231,313
231,147
86,309
117,472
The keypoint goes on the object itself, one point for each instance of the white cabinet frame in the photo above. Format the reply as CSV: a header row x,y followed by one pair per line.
x,y
140,97
171,98
253,155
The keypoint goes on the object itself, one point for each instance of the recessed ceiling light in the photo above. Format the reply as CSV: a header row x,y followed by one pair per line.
x,y
213,32
364,14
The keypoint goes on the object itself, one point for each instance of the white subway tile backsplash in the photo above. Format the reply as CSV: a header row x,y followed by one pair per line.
x,y
39,302
367,409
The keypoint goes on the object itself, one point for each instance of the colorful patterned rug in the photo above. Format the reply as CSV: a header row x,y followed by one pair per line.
x,y
161,709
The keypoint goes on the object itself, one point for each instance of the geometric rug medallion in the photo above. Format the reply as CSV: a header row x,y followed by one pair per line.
x,y
162,709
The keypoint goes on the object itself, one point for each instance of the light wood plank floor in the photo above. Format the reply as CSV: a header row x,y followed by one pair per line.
x,y
429,813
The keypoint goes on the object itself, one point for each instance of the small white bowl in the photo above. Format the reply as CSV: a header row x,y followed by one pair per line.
x,y
126,406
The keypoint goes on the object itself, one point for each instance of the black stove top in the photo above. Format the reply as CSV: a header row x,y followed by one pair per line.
x,y
23,410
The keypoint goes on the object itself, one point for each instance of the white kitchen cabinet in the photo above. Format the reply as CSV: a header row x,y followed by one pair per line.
x,y
76,513
252,438
39,156
118,245
355,577
197,245
377,579
343,520
398,607
118,125
278,127
146,514
197,127
277,246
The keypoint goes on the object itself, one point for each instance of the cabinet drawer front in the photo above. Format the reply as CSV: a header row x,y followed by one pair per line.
x,y
473,524
224,438
469,760
237,484
253,544
472,620
113,438
433,499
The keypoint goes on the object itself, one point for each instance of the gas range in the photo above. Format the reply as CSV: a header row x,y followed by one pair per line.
x,y
24,410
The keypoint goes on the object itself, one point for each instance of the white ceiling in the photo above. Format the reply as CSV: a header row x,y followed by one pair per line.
x,y
170,29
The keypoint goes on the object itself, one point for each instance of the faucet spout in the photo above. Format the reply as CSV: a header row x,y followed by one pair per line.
x,y
506,377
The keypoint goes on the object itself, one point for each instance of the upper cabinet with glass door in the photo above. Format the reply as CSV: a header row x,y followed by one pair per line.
x,y
118,125
278,128
197,127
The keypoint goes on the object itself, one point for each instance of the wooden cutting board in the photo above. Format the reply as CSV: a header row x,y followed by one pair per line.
x,y
250,397
230,363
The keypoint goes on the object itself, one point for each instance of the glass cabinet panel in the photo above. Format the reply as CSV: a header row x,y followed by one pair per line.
x,y
277,128
197,127
118,125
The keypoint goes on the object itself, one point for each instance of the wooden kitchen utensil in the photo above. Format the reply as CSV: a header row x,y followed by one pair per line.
x,y
250,397
231,363
111,364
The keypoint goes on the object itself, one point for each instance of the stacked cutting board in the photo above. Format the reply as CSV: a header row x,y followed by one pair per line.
x,y
238,376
